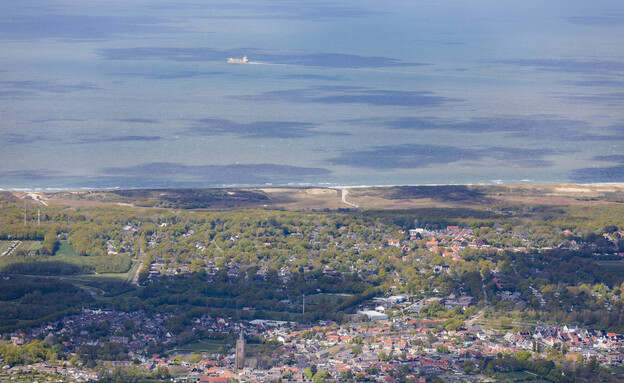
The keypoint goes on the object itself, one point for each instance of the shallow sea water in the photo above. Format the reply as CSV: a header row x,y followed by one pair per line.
x,y
139,94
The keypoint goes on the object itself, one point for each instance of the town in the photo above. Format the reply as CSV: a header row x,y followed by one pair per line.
x,y
500,293
371,347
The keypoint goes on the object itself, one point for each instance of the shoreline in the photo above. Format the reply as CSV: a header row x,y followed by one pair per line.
x,y
305,186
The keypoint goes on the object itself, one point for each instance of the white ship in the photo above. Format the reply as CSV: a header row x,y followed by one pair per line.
x,y
244,60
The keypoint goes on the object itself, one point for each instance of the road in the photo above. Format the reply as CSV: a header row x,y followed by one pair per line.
x,y
134,275
37,198
344,193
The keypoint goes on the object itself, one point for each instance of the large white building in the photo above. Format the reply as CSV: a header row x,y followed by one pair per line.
x,y
373,315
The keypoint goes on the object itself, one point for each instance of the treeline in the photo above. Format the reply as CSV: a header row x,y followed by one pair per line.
x,y
434,219
573,288
26,299
33,352
71,266
261,299
554,369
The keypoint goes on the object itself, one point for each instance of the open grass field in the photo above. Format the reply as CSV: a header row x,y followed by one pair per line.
x,y
31,245
65,250
518,376
4,245
98,283
210,346
327,298
104,277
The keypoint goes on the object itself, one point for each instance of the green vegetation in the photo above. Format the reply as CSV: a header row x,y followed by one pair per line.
x,y
32,245
65,250
614,267
190,198
36,351
247,298
522,367
28,301
64,262
260,263
209,345
4,245
462,193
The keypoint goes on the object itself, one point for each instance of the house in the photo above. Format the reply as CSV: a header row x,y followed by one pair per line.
x,y
394,242
213,379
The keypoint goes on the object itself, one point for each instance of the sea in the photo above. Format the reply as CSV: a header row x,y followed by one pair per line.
x,y
139,94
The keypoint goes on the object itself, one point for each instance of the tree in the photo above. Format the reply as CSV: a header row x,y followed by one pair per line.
x,y
356,350
308,373
468,366
383,356
313,369
321,376
50,243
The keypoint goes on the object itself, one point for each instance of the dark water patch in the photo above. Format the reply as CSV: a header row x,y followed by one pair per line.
x,y
569,65
81,27
48,120
607,98
334,60
324,60
597,83
295,9
19,138
97,140
259,129
598,174
535,127
414,156
612,157
244,174
13,94
405,156
164,175
528,158
597,21
173,75
139,120
315,77
169,168
30,174
165,54
48,87
592,174
353,95
388,98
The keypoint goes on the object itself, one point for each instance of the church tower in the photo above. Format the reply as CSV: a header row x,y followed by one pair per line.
x,y
241,350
